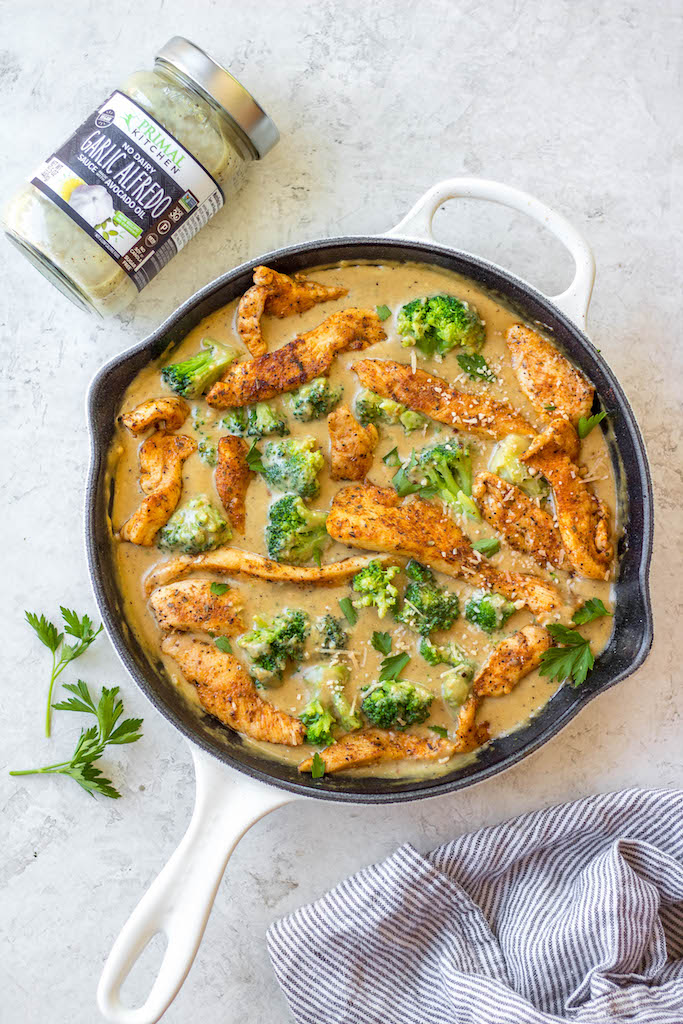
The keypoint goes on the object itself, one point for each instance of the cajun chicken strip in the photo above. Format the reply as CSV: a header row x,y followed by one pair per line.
x,y
582,519
358,749
372,518
297,362
235,562
351,445
518,518
190,605
279,295
171,411
232,478
161,462
436,398
546,377
226,691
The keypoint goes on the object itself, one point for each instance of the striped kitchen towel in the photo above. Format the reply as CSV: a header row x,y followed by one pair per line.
x,y
570,913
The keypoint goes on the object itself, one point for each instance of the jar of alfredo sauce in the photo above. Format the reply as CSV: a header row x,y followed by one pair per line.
x,y
111,206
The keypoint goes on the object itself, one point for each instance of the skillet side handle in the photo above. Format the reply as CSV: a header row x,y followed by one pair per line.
x,y
179,901
417,223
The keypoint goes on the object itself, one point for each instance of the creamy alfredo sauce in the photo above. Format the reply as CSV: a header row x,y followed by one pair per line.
x,y
391,285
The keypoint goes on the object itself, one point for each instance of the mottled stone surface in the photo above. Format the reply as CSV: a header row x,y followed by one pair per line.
x,y
375,102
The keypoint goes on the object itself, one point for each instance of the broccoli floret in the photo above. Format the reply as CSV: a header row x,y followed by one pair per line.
x,y
448,653
196,526
455,685
293,465
262,420
195,375
447,467
295,533
315,399
327,683
439,323
344,713
426,607
208,451
505,463
333,636
397,703
372,408
374,585
234,422
318,722
488,611
270,644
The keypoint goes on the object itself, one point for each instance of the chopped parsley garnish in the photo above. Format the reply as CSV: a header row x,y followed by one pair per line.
x,y
223,644
253,459
317,767
572,661
392,458
349,612
218,589
383,312
440,731
586,423
476,367
592,609
381,642
487,545
392,666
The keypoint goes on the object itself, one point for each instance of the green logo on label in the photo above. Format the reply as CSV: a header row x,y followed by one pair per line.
x,y
141,128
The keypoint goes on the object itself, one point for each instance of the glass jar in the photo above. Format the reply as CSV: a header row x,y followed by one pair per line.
x,y
144,173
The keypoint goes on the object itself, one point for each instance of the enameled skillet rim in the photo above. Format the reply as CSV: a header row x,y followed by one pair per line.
x,y
633,619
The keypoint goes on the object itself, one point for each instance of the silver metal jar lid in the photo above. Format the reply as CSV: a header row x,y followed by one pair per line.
x,y
217,84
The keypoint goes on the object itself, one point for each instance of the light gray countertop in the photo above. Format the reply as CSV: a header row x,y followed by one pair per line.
x,y
375,102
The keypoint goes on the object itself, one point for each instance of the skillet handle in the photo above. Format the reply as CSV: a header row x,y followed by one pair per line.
x,y
179,901
418,224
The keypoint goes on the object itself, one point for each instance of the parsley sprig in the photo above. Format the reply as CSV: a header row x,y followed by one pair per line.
x,y
572,661
92,742
390,668
592,609
62,653
586,423
476,367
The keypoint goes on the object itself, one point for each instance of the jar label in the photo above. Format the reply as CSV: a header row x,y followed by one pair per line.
x,y
127,182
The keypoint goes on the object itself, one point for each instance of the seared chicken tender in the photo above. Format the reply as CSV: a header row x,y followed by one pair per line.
x,y
297,362
279,295
517,517
359,749
436,398
372,518
227,692
171,411
232,478
191,605
546,377
235,562
351,445
161,462
582,519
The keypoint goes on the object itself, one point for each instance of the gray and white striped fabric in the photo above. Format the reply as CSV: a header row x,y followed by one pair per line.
x,y
570,913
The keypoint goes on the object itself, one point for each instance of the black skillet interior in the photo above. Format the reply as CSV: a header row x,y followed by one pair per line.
x,y
632,634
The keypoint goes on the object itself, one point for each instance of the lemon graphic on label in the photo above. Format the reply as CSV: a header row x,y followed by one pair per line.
x,y
69,186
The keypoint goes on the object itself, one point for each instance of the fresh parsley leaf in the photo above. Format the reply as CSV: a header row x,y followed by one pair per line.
x,y
253,459
440,731
218,589
349,612
381,642
92,742
223,644
572,661
550,407
401,482
383,312
318,766
392,458
487,545
46,632
586,423
392,666
592,609
475,366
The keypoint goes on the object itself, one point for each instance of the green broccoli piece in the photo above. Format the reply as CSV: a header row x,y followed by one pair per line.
x,y
397,703
234,422
295,533
196,526
270,644
293,465
262,420
327,683
315,399
439,323
208,451
447,467
448,653
333,636
195,375
372,408
505,463
318,722
374,585
426,606
455,686
488,611
343,712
